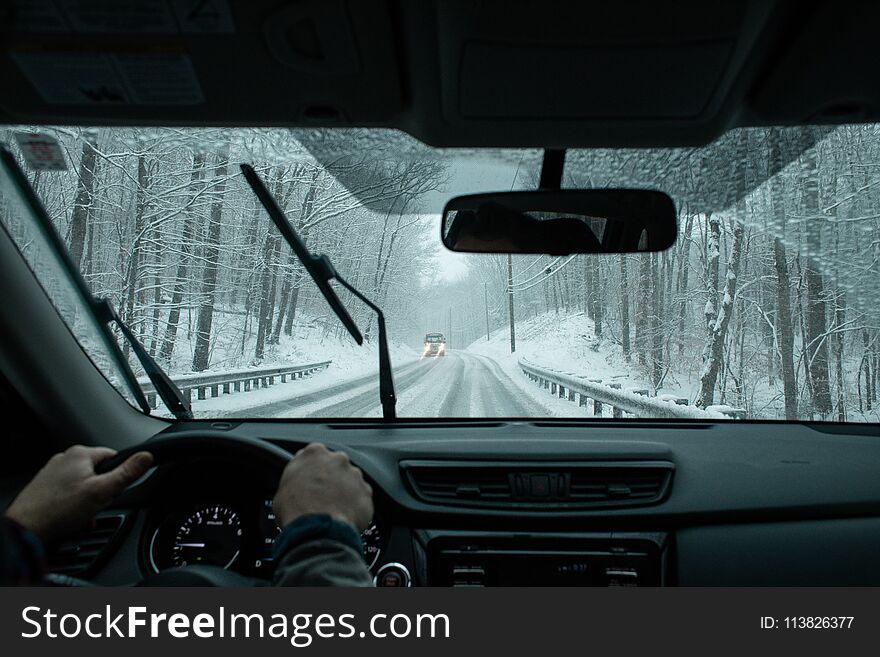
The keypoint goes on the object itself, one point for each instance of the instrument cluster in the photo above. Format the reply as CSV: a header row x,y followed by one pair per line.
x,y
236,536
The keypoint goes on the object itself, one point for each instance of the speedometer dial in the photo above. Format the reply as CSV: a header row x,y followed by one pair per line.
x,y
372,540
210,536
371,536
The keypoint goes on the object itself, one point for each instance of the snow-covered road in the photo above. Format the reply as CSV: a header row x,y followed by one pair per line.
x,y
460,384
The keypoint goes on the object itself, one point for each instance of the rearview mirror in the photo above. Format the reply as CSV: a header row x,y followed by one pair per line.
x,y
560,222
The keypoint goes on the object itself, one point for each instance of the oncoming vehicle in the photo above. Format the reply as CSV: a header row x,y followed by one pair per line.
x,y
664,293
435,345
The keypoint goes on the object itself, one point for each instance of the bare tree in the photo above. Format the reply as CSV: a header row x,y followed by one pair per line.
x,y
201,353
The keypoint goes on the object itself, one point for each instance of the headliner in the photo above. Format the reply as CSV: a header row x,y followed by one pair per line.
x,y
477,74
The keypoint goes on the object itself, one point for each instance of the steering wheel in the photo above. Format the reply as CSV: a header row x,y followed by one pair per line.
x,y
190,446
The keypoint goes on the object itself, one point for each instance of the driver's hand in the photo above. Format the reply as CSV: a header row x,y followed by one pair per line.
x,y
320,481
65,495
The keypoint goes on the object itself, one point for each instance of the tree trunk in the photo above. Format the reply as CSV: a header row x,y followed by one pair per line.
x,y
205,320
85,197
642,313
713,255
655,326
784,331
624,308
589,285
264,316
133,273
683,270
510,303
598,298
291,310
180,282
283,303
296,287
815,323
305,213
714,354
839,320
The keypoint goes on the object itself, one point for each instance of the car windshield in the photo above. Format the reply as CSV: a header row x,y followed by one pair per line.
x,y
765,308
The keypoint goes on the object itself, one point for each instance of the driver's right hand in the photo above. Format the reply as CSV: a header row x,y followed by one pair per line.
x,y
320,481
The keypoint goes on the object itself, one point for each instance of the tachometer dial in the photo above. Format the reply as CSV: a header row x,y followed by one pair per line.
x,y
210,536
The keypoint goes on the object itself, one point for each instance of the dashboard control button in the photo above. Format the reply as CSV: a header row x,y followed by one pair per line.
x,y
463,576
540,485
393,575
621,577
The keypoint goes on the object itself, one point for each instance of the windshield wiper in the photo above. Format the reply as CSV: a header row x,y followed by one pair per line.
x,y
322,272
167,390
101,308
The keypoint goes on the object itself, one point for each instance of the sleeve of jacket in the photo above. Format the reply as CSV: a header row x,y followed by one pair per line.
x,y
22,560
317,550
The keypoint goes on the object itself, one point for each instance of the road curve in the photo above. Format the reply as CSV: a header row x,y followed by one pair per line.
x,y
458,385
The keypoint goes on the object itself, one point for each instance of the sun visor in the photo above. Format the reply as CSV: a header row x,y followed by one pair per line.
x,y
593,72
326,62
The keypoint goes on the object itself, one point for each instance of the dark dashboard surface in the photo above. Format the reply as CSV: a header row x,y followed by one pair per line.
x,y
758,503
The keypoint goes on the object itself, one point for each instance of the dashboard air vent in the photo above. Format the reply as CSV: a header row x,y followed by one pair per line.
x,y
539,486
617,484
80,554
456,483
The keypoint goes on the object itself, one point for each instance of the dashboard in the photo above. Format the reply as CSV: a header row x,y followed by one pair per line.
x,y
550,503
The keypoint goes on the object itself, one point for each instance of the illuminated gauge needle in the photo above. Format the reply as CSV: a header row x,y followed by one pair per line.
x,y
196,545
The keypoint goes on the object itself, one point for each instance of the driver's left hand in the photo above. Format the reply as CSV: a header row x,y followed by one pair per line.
x,y
65,495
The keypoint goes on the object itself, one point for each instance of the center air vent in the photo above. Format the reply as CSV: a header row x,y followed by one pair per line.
x,y
539,486
82,553
479,484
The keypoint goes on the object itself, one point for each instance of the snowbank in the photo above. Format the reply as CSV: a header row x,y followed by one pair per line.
x,y
568,344
563,342
308,345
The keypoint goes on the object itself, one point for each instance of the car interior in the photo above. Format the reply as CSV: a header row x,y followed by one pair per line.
x,y
460,501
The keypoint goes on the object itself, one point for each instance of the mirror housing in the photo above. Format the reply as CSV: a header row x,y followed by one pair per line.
x,y
560,222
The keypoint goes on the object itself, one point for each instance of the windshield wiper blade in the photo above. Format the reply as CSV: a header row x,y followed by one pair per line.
x,y
167,390
44,224
318,267
322,272
386,379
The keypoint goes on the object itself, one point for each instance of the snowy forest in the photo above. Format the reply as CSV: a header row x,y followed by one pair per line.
x,y
768,302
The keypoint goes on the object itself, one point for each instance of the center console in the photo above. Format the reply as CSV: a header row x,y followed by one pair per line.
x,y
499,559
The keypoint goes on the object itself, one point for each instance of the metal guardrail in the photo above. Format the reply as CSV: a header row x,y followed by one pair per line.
x,y
234,381
584,391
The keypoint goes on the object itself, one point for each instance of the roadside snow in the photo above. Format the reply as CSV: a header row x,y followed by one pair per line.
x,y
566,343
349,361
562,342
